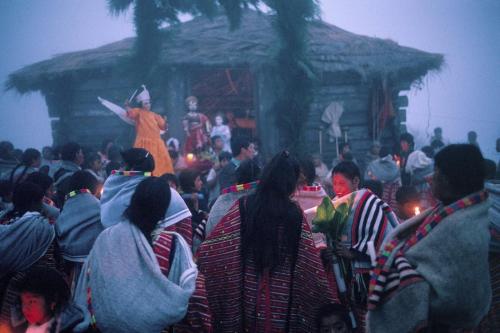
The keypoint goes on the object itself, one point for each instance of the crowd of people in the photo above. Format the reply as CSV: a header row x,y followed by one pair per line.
x,y
104,241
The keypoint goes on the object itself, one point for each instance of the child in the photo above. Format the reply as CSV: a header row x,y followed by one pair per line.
x,y
191,186
334,318
43,295
213,177
171,180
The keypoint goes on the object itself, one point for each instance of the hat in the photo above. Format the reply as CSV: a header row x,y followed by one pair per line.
x,y
191,99
142,95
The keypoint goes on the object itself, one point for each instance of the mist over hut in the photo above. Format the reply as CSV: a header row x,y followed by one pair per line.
x,y
232,72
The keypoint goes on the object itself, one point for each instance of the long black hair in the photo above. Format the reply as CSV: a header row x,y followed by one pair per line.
x,y
83,179
463,167
187,179
271,220
149,204
41,179
138,159
27,197
28,158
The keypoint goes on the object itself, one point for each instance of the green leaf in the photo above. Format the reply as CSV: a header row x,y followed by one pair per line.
x,y
331,219
325,211
343,209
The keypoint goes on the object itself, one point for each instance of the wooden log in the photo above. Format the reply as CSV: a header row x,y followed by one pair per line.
x,y
402,101
401,115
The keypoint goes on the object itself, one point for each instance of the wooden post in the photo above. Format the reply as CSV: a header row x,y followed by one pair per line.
x,y
320,142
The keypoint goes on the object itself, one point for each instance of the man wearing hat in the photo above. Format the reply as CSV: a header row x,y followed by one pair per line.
x,y
148,126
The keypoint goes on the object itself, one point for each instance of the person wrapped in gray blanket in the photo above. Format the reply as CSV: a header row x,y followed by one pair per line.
x,y
79,224
49,208
72,159
26,240
122,284
121,184
432,273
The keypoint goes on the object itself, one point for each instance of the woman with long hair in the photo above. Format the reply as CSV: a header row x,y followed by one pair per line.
x,y
30,161
263,273
125,285
121,184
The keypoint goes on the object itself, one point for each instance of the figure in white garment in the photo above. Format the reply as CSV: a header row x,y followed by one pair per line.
x,y
223,131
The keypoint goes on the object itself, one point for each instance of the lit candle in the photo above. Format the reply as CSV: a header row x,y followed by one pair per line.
x,y
417,211
398,160
190,157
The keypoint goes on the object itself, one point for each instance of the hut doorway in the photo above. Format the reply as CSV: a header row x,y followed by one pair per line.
x,y
229,92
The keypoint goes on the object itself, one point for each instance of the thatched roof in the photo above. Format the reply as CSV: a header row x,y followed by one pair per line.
x,y
204,42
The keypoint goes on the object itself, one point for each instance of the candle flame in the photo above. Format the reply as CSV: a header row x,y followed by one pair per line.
x,y
417,211
190,157
397,159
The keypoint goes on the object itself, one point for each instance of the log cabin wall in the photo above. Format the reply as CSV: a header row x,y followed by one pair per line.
x,y
84,119
78,116
356,97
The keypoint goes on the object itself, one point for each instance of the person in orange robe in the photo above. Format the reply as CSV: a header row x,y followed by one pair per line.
x,y
148,126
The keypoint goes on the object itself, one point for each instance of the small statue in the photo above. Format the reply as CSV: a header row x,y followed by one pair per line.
x,y
197,127
222,130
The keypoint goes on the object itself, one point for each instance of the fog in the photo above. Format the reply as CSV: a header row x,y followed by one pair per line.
x,y
463,96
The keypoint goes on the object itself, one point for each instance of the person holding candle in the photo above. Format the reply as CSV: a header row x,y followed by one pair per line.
x,y
406,144
428,262
420,168
408,200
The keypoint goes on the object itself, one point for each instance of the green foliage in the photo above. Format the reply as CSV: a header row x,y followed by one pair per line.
x,y
150,15
147,48
295,76
331,220
116,7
